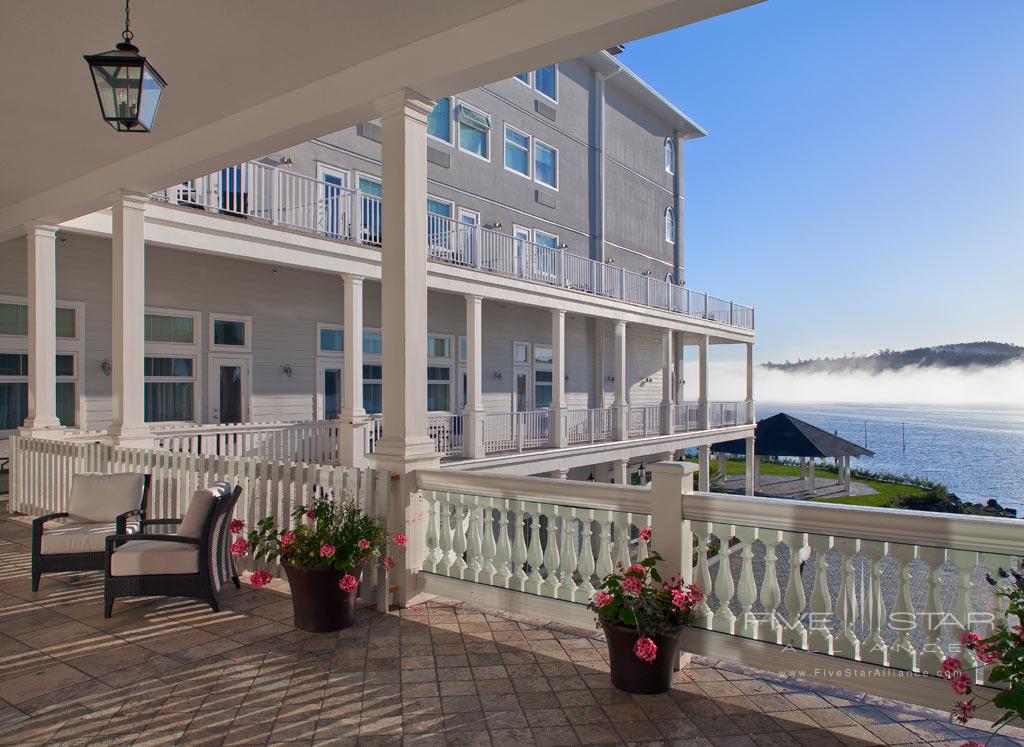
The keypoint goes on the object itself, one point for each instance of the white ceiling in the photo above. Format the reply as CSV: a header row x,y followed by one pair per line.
x,y
246,77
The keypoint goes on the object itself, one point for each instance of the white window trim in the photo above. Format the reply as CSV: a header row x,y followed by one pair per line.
x,y
179,350
77,306
437,360
451,123
529,151
186,347
540,92
490,130
524,82
670,167
558,166
334,326
367,176
538,232
247,348
449,203
669,235
458,345
449,362
373,359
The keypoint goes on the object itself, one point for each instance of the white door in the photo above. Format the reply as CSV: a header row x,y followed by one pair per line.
x,y
230,386
470,237
521,390
328,390
520,235
334,208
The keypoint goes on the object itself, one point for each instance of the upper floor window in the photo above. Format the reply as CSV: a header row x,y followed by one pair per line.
x,y
439,346
545,81
545,164
170,329
670,225
670,156
332,339
523,78
517,151
14,321
474,131
230,332
372,344
439,123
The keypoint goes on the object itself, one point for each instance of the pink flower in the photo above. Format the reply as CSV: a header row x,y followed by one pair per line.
x,y
950,666
326,551
603,598
236,526
400,540
961,684
632,585
969,639
972,744
239,547
680,599
389,563
986,653
695,594
348,582
363,544
310,514
260,578
637,568
287,538
963,711
645,649
645,534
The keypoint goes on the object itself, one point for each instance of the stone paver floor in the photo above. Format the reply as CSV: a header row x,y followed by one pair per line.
x,y
169,671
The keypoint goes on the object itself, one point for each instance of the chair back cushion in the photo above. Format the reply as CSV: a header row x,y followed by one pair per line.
x,y
194,520
100,498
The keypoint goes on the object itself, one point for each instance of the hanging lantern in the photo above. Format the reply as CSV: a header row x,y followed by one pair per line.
x,y
127,86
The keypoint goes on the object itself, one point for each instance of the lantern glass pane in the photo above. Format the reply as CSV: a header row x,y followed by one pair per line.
x,y
150,98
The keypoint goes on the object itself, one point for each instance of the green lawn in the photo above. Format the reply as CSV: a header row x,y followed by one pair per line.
x,y
886,490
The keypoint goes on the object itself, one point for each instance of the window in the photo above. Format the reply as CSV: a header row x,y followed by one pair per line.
x,y
332,393
439,346
523,78
547,259
543,355
439,226
170,329
545,81
521,352
439,123
542,389
372,388
230,332
169,388
517,151
439,388
463,350
474,132
545,164
372,343
14,320
14,389
332,339
670,225
670,156
371,217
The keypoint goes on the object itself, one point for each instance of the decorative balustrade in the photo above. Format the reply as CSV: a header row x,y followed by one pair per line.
x,y
309,441
516,431
643,420
686,417
590,426
550,542
726,414
446,431
263,191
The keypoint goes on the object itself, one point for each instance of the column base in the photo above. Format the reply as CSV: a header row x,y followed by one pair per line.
x,y
353,439
401,455
558,432
42,428
473,434
621,421
131,436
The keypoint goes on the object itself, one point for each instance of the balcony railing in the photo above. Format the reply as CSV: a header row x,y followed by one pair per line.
x,y
280,197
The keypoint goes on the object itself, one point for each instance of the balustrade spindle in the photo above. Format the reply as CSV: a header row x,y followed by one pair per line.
x,y
795,633
519,556
433,554
902,653
702,532
490,548
819,636
605,564
875,649
586,563
848,645
503,552
551,555
569,556
459,539
769,595
473,546
444,515
746,592
930,658
622,546
725,618
534,556
966,563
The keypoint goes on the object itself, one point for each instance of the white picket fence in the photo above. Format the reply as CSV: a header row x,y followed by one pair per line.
x,y
41,472
307,441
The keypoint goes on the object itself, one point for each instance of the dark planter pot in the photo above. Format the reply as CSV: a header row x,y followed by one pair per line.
x,y
320,606
633,675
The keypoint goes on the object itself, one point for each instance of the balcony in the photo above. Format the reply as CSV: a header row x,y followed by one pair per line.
x,y
267,193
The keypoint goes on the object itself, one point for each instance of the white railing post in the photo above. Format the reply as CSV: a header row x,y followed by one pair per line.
x,y
275,196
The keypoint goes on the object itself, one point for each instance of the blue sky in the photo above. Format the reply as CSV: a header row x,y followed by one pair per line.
x,y
862,184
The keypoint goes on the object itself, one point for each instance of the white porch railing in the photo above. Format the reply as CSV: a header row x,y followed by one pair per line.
x,y
726,414
310,441
446,431
891,593
686,417
263,191
590,426
516,431
643,420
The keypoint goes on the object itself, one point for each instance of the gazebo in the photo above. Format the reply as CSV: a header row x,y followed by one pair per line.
x,y
783,435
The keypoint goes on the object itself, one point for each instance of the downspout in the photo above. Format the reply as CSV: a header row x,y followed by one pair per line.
x,y
678,254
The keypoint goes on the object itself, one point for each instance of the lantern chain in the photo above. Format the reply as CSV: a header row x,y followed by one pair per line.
x,y
127,34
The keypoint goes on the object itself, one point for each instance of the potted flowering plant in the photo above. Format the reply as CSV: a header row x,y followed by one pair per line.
x,y
1003,650
642,616
323,552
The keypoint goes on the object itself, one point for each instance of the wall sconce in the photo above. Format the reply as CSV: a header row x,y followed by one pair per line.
x,y
563,246
285,162
497,224
567,377
610,261
648,380
287,371
497,375
105,366
611,378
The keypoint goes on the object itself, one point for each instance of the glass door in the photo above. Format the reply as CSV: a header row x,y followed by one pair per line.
x,y
334,207
234,190
329,394
469,244
229,389
370,215
521,238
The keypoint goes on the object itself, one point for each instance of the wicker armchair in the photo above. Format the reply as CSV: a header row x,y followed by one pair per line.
x,y
193,562
100,504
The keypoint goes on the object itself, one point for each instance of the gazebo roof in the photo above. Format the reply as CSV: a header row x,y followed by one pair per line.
x,y
783,435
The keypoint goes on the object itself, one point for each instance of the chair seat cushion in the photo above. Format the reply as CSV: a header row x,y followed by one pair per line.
x,y
73,538
154,558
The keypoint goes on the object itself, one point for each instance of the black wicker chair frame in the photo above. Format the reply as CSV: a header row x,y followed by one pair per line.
x,y
214,560
79,561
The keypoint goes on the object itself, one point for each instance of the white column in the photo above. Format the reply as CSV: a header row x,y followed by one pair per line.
x,y
559,474
405,445
803,468
353,416
621,405
811,476
620,472
704,468
750,475
702,369
599,374
42,333
667,421
750,384
128,426
474,413
722,466
559,434
679,349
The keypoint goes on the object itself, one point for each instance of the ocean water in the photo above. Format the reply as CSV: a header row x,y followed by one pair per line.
x,y
978,453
